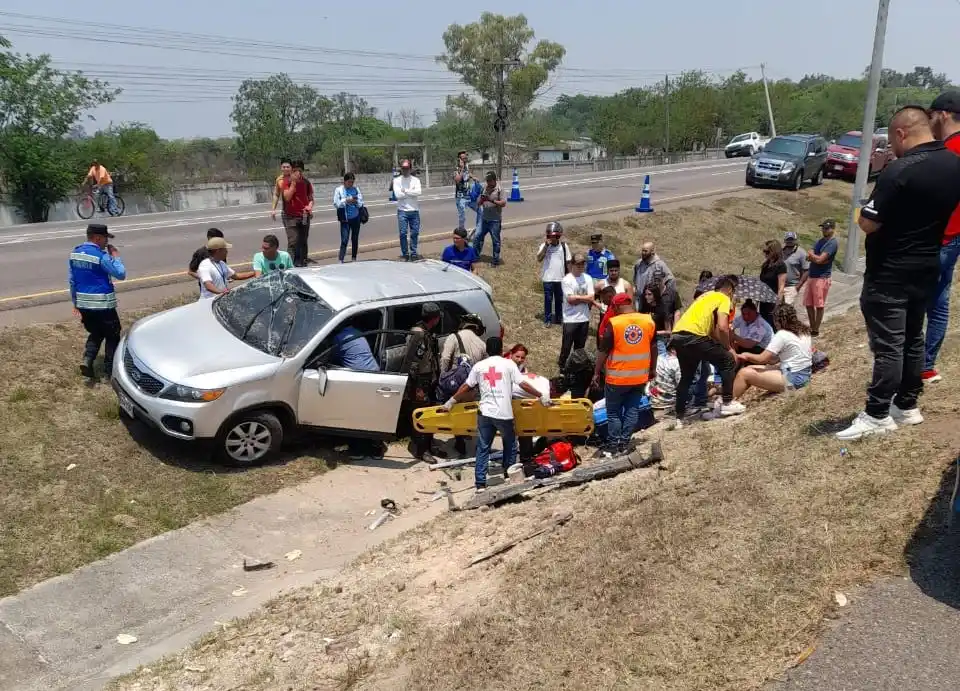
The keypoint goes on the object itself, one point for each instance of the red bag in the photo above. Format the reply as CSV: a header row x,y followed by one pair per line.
x,y
559,454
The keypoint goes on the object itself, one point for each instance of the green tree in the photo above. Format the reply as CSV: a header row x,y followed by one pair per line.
x,y
477,52
39,108
275,117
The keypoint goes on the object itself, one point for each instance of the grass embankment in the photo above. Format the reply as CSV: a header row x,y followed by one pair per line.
x,y
76,483
714,572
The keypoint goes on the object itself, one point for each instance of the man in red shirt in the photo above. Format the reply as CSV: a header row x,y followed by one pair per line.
x,y
945,121
297,210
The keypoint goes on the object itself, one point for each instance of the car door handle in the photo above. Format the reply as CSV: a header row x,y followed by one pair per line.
x,y
384,391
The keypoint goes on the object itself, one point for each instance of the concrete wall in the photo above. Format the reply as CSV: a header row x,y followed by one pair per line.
x,y
207,196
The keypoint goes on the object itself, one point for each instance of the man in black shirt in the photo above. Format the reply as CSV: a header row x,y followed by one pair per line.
x,y
904,223
202,253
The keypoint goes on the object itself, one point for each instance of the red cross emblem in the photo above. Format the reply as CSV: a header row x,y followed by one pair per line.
x,y
492,376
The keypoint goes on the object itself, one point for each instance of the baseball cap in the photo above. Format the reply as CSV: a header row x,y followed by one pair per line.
x,y
460,232
218,244
829,223
789,236
554,228
596,237
430,309
621,299
948,101
579,258
98,229
405,163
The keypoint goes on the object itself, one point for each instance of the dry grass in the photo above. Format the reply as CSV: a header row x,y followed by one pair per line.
x,y
126,486
714,572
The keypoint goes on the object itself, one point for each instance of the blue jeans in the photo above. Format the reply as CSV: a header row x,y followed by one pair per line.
x,y
552,300
107,190
698,392
462,211
491,228
622,413
487,428
938,313
798,379
411,220
349,232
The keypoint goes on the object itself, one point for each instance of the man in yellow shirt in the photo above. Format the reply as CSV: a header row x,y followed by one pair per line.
x,y
286,168
703,334
99,176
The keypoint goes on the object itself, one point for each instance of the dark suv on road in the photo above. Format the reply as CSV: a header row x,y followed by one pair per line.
x,y
788,160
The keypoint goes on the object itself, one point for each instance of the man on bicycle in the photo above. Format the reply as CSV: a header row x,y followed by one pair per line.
x,y
99,176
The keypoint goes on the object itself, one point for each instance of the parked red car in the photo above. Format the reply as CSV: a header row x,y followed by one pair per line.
x,y
843,156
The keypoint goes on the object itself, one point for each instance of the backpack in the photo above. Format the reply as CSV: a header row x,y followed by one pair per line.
x,y
558,457
364,215
475,192
451,380
820,360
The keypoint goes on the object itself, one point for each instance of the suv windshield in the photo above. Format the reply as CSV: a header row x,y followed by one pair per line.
x,y
851,141
277,314
740,138
790,147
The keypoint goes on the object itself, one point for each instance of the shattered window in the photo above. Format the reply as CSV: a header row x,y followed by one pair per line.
x,y
277,314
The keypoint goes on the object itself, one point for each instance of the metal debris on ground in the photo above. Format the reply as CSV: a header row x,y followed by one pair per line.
x,y
257,565
293,555
546,526
126,639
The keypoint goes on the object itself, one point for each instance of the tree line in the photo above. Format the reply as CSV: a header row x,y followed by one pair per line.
x,y
44,149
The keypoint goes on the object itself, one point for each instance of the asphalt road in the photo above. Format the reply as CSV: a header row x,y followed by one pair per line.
x,y
158,246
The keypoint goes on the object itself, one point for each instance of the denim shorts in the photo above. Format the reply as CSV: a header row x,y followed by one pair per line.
x,y
798,379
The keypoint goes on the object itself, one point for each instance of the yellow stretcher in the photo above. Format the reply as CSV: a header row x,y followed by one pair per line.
x,y
567,416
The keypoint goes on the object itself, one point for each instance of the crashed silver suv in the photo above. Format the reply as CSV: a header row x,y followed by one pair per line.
x,y
249,368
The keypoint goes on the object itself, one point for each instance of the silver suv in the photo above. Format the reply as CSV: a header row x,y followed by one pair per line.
x,y
251,366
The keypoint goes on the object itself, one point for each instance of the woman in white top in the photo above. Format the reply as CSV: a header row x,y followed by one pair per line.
x,y
786,362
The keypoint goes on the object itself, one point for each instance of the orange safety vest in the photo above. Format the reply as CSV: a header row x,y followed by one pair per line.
x,y
628,364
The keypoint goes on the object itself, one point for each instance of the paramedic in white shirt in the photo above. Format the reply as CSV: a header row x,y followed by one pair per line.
x,y
495,377
407,190
214,273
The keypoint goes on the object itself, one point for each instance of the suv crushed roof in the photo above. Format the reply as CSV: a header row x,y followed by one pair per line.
x,y
343,285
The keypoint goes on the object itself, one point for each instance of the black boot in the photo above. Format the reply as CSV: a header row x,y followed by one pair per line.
x,y
86,369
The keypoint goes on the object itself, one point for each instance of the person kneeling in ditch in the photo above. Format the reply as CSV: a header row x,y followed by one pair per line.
x,y
495,377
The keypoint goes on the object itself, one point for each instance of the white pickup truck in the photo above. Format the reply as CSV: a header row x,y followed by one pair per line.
x,y
746,144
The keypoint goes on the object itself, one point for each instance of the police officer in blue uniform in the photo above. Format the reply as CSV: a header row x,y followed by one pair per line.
x,y
93,266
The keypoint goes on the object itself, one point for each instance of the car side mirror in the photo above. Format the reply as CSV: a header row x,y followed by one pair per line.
x,y
321,380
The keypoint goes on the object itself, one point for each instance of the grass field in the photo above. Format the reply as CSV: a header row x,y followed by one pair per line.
x,y
715,572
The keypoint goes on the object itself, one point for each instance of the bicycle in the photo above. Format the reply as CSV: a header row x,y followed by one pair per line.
x,y
90,201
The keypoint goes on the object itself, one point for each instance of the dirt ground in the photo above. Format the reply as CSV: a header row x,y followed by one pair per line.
x,y
716,570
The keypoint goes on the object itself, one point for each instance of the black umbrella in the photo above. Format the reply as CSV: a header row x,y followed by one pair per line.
x,y
749,288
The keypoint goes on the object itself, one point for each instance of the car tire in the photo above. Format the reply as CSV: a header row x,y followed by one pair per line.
x,y
818,178
250,438
798,181
728,154
749,183
753,151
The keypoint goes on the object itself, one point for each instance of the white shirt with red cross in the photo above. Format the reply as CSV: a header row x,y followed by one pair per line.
x,y
495,377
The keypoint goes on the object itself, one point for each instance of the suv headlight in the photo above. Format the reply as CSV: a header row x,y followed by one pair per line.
x,y
188,394
787,167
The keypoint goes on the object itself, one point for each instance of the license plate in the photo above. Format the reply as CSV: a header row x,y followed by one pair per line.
x,y
838,167
126,405
768,176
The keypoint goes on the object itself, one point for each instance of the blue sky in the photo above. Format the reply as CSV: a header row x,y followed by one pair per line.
x,y
611,45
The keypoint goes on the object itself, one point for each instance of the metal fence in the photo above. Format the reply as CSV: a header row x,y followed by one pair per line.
x,y
443,175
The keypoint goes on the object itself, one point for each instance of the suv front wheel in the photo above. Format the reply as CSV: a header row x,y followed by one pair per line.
x,y
818,178
250,438
798,181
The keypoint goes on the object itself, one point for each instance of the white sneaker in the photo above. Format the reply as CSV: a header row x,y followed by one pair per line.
x,y
732,408
864,425
906,417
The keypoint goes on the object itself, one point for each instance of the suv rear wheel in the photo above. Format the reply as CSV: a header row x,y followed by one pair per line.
x,y
250,438
798,181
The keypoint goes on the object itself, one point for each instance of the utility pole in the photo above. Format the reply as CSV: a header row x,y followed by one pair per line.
x,y
852,253
666,101
766,91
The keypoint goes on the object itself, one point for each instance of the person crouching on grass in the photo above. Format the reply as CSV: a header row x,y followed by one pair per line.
x,y
786,362
496,377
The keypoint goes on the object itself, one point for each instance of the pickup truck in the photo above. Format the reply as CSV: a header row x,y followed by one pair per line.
x,y
745,145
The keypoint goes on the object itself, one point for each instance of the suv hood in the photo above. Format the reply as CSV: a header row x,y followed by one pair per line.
x,y
188,342
771,156
837,149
